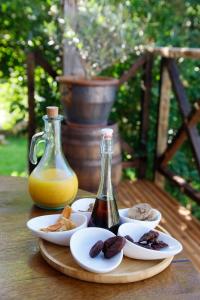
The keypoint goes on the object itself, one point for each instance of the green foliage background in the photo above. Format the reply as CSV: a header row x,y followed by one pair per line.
x,y
28,25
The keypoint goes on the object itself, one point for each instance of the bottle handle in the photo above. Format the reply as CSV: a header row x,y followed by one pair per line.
x,y
36,139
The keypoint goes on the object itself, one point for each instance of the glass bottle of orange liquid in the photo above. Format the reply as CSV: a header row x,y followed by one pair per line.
x,y
53,183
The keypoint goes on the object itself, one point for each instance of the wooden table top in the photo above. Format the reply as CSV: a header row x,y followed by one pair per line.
x,y
25,275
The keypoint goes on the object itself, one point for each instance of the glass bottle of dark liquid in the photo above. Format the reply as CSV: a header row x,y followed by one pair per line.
x,y
105,213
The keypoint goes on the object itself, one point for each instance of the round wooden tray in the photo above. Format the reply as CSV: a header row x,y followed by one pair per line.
x,y
130,270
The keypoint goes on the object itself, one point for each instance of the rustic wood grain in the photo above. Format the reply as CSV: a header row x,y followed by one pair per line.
x,y
25,275
175,52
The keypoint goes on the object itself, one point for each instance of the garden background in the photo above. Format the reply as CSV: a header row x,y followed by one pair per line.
x,y
28,25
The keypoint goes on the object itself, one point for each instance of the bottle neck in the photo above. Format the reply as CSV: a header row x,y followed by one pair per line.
x,y
53,134
105,190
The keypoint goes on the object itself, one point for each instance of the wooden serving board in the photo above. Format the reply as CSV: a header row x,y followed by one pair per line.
x,y
130,270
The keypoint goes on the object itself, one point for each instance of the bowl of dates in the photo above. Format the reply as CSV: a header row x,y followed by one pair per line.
x,y
143,243
97,250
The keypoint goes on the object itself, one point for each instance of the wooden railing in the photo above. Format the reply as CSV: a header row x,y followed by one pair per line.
x,y
172,52
144,62
169,78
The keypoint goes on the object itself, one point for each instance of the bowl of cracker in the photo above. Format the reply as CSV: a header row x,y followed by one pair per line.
x,y
57,228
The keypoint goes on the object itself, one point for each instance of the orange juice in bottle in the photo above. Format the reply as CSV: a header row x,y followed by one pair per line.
x,y
53,183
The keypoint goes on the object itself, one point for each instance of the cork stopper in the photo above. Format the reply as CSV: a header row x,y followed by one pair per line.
x,y
52,111
107,133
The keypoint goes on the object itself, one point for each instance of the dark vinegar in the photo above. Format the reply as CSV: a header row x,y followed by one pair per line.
x,y
105,215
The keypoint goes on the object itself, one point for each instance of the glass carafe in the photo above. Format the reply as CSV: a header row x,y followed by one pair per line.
x,y
105,213
53,183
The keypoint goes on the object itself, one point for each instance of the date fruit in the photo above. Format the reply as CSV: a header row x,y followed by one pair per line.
x,y
158,245
150,240
129,238
149,237
147,246
113,246
96,249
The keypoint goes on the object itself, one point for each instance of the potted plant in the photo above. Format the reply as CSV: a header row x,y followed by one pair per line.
x,y
96,35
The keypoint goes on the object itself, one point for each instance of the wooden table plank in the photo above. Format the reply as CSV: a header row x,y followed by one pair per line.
x,y
25,275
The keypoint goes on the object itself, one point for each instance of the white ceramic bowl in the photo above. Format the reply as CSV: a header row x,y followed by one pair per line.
x,y
137,252
81,243
61,237
150,224
81,206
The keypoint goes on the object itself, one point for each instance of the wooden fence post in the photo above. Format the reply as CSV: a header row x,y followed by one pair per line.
x,y
145,105
31,99
163,117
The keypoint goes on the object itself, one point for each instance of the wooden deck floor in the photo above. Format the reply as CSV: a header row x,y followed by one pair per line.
x,y
175,218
